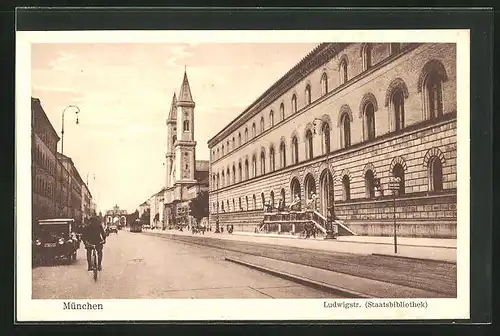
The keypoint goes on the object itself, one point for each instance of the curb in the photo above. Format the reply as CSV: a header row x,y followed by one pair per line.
x,y
347,241
414,258
304,281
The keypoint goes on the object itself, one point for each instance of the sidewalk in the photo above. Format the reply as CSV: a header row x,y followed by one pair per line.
x,y
422,242
422,248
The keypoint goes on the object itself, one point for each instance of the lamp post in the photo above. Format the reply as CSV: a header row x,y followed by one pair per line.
x,y
330,211
394,185
62,127
217,230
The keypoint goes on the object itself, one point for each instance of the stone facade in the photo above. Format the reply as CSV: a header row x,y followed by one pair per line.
x,y
185,176
365,114
56,183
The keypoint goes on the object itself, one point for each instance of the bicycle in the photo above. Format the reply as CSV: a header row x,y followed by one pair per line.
x,y
93,259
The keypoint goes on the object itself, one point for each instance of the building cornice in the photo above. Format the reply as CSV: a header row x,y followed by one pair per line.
x,y
317,57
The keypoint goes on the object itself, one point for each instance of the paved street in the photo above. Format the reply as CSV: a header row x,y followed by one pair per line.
x,y
141,266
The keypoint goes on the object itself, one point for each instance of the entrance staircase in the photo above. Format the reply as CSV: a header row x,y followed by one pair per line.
x,y
295,222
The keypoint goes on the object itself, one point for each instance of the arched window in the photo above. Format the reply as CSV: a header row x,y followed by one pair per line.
x,y
262,127
294,103
222,150
324,84
262,163
295,150
222,204
369,184
239,204
254,166
234,205
272,160
282,112
346,188
215,182
234,143
218,181
309,144
434,95
367,56
218,153
239,139
395,47
186,126
282,155
227,145
223,180
398,171
435,174
346,130
369,114
272,199
247,175
254,202
254,132
240,173
343,71
398,105
263,199
325,131
308,94
271,118
246,200
234,174
246,134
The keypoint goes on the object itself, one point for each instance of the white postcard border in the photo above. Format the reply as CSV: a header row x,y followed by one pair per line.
x,y
228,309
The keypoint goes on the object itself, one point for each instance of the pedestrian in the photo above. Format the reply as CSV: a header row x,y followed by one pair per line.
x,y
296,203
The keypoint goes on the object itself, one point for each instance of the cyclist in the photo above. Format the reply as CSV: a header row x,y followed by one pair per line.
x,y
94,234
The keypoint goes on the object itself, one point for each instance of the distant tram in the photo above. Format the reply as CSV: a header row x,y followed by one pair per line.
x,y
136,226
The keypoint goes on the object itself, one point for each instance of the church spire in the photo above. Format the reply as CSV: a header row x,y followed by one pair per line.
x,y
185,94
173,109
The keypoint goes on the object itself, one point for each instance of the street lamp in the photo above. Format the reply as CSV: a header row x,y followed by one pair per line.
x,y
62,128
394,185
217,230
330,211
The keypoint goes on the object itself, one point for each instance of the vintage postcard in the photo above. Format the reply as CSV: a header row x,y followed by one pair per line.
x,y
242,175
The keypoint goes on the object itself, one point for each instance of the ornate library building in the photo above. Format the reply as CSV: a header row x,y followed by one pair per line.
x,y
360,135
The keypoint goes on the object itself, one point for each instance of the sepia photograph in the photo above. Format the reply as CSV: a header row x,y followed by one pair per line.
x,y
331,167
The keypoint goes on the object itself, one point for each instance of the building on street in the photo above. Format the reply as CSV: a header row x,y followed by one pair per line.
x,y
74,188
44,165
86,202
57,187
143,207
340,125
185,176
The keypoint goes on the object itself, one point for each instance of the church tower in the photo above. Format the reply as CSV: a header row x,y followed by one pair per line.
x,y
185,145
171,139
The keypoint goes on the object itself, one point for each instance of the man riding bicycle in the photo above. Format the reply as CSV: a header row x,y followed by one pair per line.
x,y
94,234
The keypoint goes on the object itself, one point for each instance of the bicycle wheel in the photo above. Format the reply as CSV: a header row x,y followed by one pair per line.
x,y
94,264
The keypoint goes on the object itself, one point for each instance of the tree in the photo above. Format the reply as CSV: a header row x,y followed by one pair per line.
x,y
198,206
145,217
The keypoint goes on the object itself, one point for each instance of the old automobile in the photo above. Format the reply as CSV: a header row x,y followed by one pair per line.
x,y
55,239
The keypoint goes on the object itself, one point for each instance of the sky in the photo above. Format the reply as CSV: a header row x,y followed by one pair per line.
x,y
124,93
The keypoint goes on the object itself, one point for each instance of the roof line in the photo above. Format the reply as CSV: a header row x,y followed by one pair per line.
x,y
275,85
